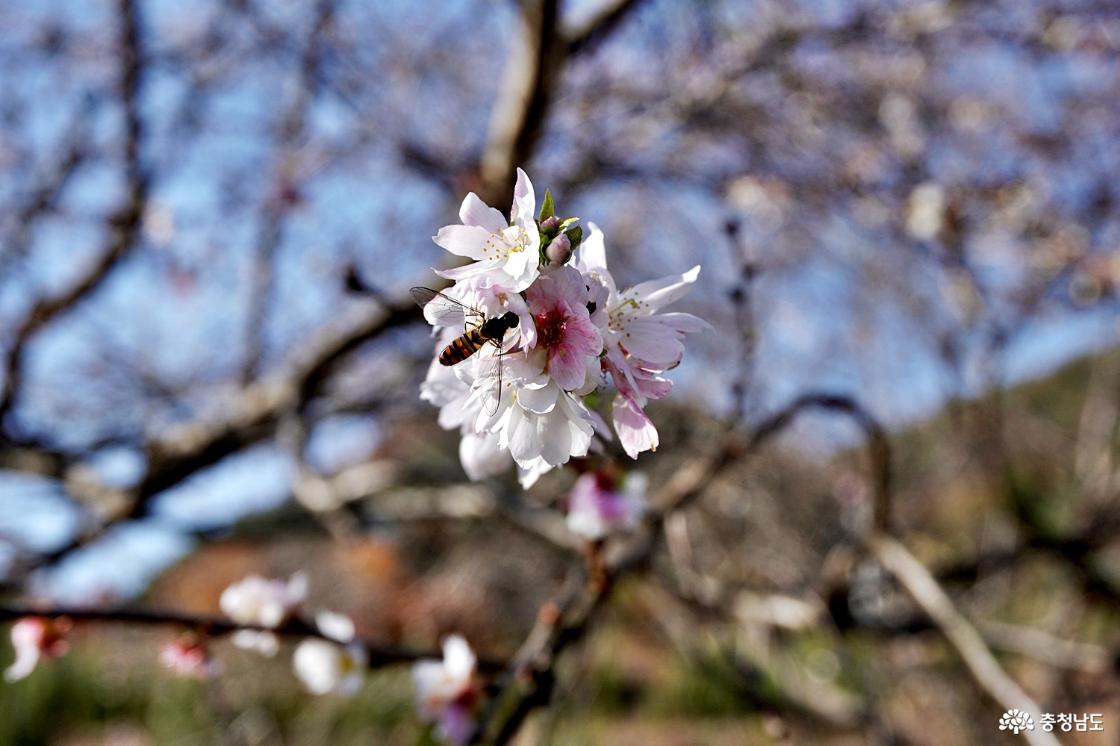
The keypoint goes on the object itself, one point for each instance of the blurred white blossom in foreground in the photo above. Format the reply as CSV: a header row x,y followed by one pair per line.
x,y
265,602
33,639
446,692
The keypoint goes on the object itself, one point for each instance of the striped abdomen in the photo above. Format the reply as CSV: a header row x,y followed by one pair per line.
x,y
463,347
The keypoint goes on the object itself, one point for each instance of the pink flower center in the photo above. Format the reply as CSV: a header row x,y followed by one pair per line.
x,y
550,328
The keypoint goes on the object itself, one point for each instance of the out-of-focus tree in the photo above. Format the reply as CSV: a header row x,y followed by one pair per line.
x,y
210,213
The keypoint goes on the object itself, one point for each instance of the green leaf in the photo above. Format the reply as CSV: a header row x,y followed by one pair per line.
x,y
567,223
575,235
548,209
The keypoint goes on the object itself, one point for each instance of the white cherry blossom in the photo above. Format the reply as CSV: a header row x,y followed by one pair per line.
x,y
504,253
446,690
534,418
34,639
262,601
326,667
526,401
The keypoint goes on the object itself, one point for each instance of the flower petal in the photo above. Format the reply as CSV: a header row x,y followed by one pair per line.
x,y
538,401
555,436
661,292
475,212
591,256
635,431
458,658
464,240
476,270
524,208
481,456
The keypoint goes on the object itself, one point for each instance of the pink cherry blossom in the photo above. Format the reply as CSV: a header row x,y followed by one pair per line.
x,y
597,507
527,402
640,342
558,301
189,657
636,432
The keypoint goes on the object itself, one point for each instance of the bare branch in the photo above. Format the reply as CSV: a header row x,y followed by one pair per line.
x,y
124,225
519,114
877,444
44,196
598,26
276,207
964,638
250,416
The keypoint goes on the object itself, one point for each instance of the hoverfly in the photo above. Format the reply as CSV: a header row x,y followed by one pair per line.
x,y
479,330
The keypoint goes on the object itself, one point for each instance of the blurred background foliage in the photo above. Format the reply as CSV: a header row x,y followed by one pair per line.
x,y
210,214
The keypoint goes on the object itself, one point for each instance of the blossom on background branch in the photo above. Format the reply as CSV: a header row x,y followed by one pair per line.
x,y
33,639
264,602
447,692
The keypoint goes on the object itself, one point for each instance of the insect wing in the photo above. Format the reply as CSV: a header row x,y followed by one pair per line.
x,y
443,310
498,369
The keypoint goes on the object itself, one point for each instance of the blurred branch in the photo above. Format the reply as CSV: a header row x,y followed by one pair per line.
x,y
44,196
925,591
379,653
878,447
277,205
529,681
124,225
1045,647
770,681
248,417
519,113
585,36
537,56
742,296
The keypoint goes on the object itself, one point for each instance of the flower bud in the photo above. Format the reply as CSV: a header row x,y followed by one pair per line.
x,y
559,250
550,223
189,657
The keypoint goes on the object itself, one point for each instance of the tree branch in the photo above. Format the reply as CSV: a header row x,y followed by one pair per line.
x,y
124,225
379,653
964,638
606,19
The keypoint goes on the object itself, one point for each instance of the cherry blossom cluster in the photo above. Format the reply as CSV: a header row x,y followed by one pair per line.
x,y
447,691
531,398
334,665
